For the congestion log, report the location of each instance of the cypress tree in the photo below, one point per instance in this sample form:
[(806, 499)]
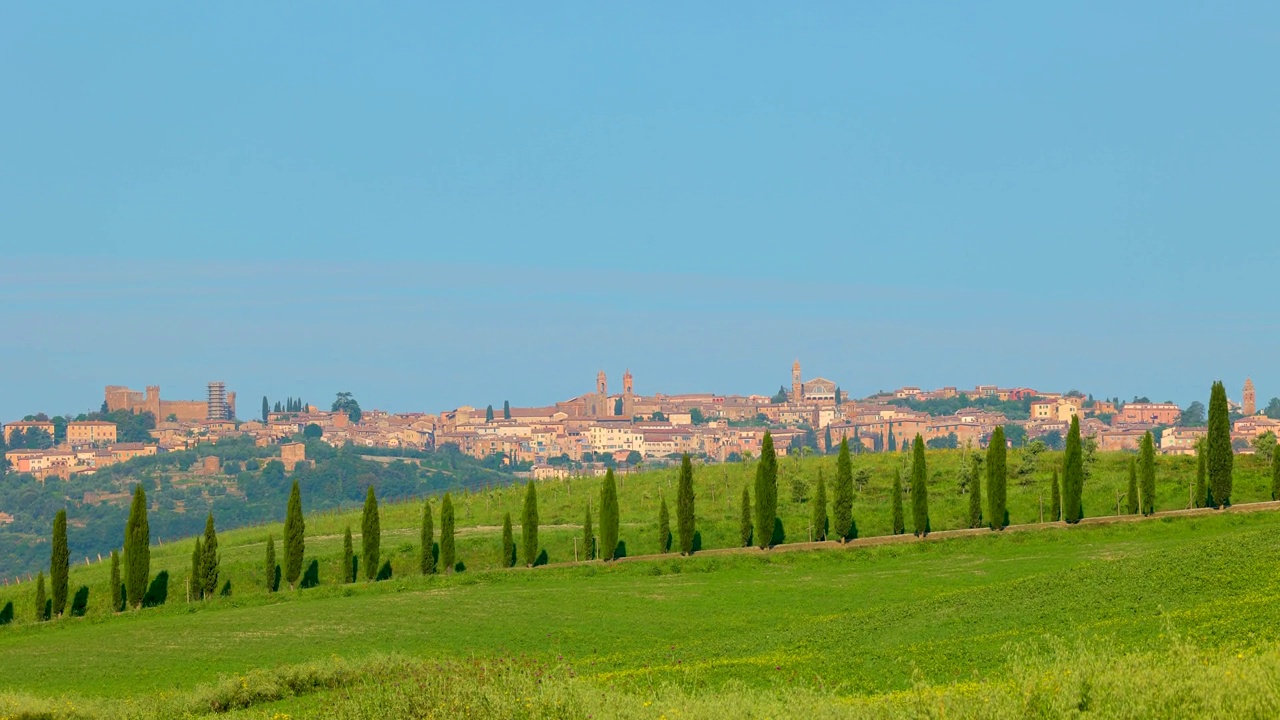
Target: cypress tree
[(59, 563), (428, 540), (819, 519), (608, 516), (1147, 473), (209, 559), (508, 558), (270, 564), (1072, 475), (294, 540), (1275, 473), (506, 409), (348, 557), (997, 480), (488, 414), (448, 557), (1218, 452), (919, 490), (117, 596), (744, 526), (899, 525), (664, 527), (1201, 497), (370, 536), (197, 571), (1055, 501), (529, 526), (975, 492), (266, 409), (588, 537), (685, 521), (137, 549), (766, 492), (842, 508), (41, 602)]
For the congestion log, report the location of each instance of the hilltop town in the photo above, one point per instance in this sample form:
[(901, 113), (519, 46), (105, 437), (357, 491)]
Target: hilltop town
[(601, 429)]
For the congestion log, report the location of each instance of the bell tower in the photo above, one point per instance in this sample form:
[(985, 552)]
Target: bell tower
[(1250, 399), (628, 395), (797, 388), (602, 395)]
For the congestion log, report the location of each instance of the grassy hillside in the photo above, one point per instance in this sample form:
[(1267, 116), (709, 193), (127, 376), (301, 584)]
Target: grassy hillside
[(855, 631)]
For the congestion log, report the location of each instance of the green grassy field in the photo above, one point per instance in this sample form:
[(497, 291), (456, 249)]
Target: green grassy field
[(942, 626)]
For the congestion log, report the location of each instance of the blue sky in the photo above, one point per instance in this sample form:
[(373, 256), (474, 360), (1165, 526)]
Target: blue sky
[(435, 206)]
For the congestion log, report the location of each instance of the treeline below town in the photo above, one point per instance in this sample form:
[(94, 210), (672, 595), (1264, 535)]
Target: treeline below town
[(250, 488)]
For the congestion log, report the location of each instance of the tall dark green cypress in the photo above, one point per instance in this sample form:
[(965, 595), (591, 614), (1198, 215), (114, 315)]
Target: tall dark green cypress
[(529, 526), (209, 559), (1275, 473), (427, 560), (1218, 452), (266, 409), (744, 524), (975, 491), (294, 537), (664, 527), (842, 507), (588, 537), (448, 555), (137, 549), (59, 563), (370, 536), (1055, 498), (1073, 474), (269, 564), (1201, 497), (766, 492), (41, 599), (899, 524), (608, 516), (819, 517), (508, 557), (348, 570), (685, 519), (919, 490), (197, 571), (1131, 494), (116, 594), (1147, 474), (997, 480)]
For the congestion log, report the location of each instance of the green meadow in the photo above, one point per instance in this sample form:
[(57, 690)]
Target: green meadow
[(1169, 616)]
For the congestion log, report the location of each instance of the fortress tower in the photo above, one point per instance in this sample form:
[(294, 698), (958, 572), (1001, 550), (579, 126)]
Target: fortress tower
[(1250, 399), (797, 388)]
